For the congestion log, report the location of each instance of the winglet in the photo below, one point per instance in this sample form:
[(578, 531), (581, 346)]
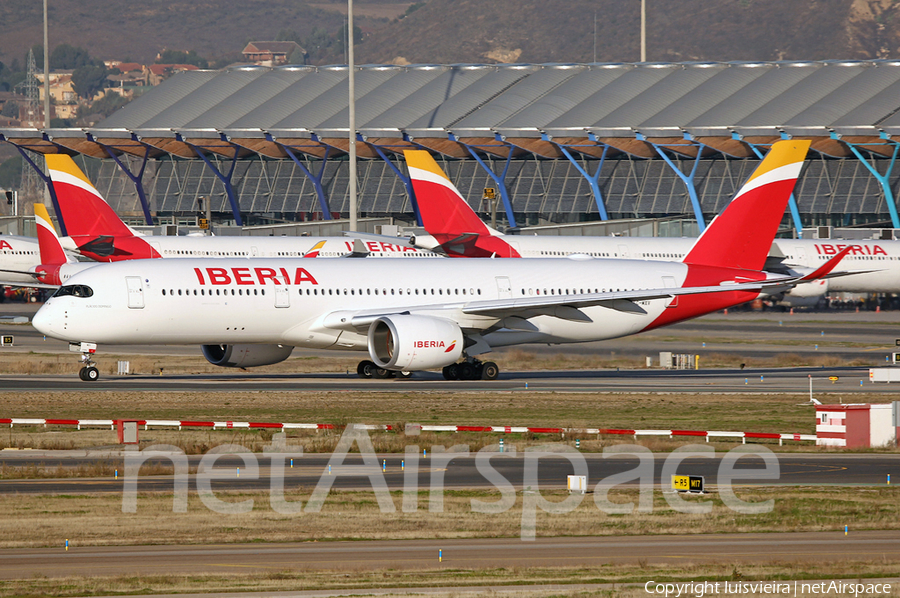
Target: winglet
[(740, 237), (826, 268), (81, 206), (52, 253)]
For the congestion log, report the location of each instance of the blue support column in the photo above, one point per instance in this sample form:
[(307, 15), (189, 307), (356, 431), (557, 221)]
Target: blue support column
[(687, 179), (593, 180), (224, 178), (137, 180), (499, 180), (406, 181), (49, 183), (315, 179), (792, 201), (883, 179)]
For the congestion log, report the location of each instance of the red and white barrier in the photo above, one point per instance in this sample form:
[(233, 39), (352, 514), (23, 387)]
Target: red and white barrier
[(635, 433), (228, 425)]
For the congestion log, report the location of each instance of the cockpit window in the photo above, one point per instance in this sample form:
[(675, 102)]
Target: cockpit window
[(75, 290)]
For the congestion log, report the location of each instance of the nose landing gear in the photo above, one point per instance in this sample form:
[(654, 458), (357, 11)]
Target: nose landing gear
[(88, 371)]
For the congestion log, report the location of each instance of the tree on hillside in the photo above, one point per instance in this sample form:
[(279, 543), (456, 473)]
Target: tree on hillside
[(88, 80), (180, 57), (68, 57), (109, 103)]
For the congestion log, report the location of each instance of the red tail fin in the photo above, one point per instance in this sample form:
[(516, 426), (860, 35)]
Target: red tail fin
[(741, 236), (443, 209), (446, 215), (52, 253), (82, 208)]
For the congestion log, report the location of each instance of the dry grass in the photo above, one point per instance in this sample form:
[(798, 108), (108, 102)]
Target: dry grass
[(611, 580), (98, 520), (103, 468)]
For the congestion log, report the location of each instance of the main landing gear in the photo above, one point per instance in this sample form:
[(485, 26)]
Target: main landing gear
[(472, 370), (467, 370), (368, 369)]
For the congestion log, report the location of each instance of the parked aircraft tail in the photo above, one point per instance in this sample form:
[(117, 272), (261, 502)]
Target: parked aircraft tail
[(446, 215), (52, 253), (92, 224)]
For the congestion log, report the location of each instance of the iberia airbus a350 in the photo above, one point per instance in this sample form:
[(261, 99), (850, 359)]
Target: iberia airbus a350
[(418, 315)]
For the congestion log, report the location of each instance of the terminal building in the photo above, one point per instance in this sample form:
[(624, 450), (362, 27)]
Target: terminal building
[(526, 144)]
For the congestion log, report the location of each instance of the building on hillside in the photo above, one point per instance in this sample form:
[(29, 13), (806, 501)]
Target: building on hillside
[(272, 53), (160, 72), (130, 75), (62, 90)]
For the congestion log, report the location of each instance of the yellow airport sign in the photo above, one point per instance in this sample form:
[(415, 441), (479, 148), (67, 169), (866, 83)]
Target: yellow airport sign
[(687, 483)]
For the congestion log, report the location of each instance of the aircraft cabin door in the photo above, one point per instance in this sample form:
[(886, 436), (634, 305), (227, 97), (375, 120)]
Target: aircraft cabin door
[(135, 292), (282, 296), (669, 283), (800, 257), (504, 290), (254, 251), (623, 251)]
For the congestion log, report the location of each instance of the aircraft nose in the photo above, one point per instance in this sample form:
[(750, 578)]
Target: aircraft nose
[(43, 320)]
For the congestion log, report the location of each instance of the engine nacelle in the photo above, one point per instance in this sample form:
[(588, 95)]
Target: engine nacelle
[(245, 356), (424, 242), (815, 288), (411, 343)]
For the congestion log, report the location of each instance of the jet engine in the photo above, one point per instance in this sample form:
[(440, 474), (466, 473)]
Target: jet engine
[(424, 242), (245, 356), (815, 288), (411, 343)]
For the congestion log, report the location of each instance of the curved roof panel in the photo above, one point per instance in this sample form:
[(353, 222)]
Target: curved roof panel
[(584, 105), (218, 90), (157, 100)]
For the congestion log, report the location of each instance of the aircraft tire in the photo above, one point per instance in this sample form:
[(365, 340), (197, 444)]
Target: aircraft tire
[(466, 371), (81, 374), (451, 372), (91, 374), (365, 369), (489, 371), (403, 375), (381, 373)]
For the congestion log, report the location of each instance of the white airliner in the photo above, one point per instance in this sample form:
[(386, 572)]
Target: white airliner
[(96, 231), (457, 230), (18, 255), (417, 315)]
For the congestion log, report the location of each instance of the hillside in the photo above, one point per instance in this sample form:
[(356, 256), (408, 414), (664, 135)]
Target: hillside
[(446, 31), (449, 31)]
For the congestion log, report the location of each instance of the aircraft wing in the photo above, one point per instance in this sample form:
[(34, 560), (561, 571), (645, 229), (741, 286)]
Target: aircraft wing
[(567, 307)]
